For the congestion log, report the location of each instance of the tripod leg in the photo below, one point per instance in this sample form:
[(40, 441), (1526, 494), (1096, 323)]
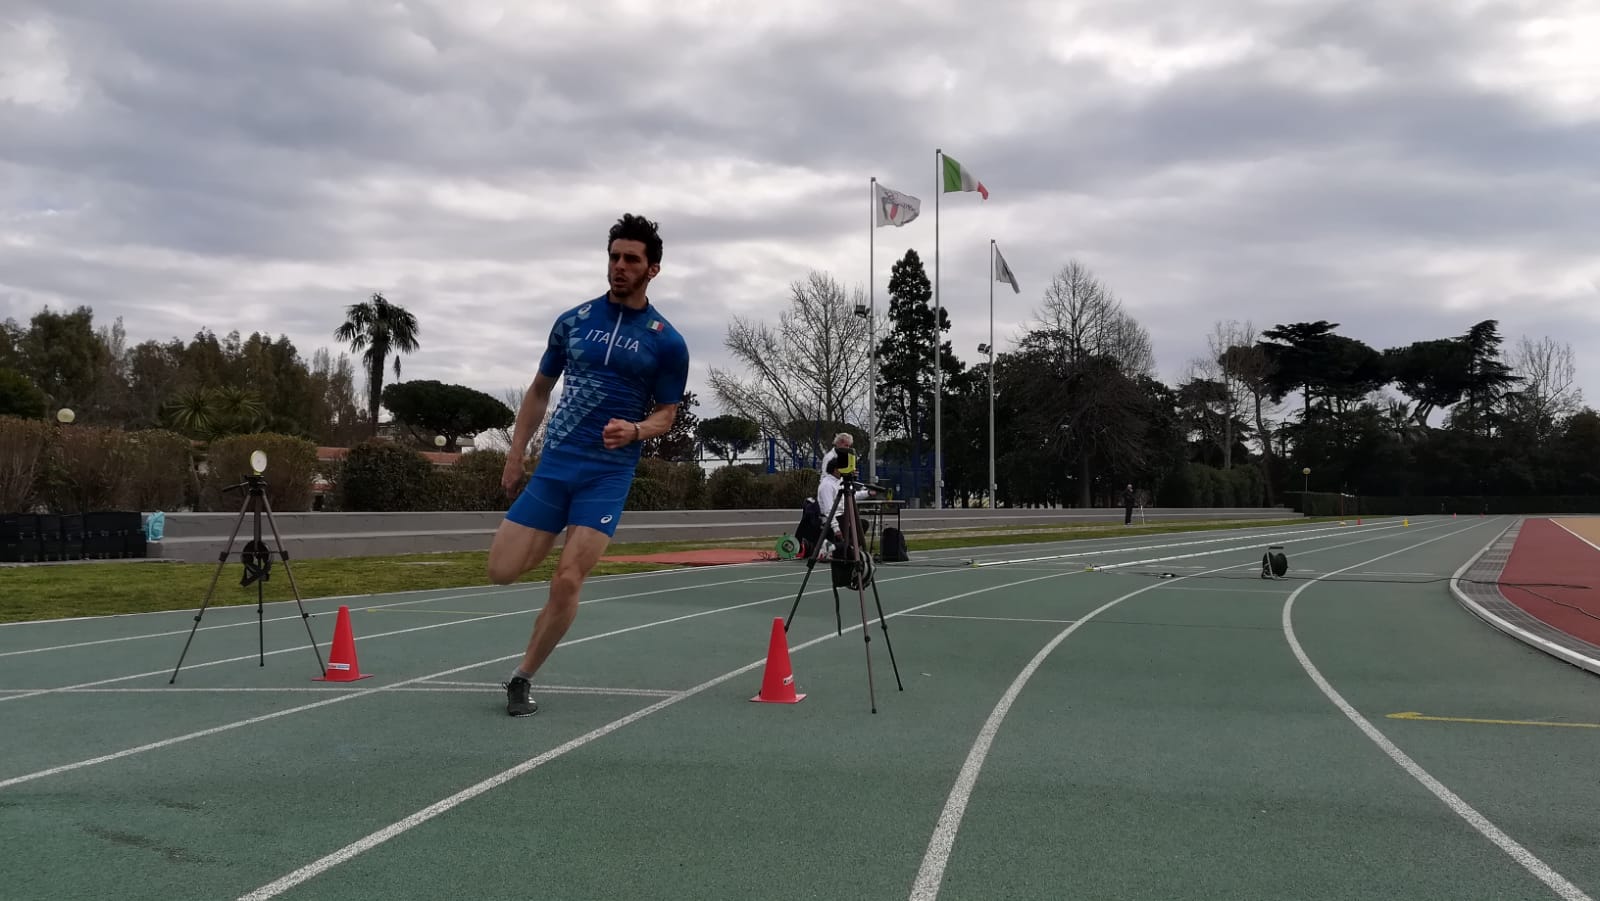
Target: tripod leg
[(884, 624), (222, 559), (861, 593), (304, 616), (811, 564), (256, 501)]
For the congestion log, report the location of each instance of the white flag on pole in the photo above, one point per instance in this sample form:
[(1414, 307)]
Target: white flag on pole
[(1003, 273), (895, 208)]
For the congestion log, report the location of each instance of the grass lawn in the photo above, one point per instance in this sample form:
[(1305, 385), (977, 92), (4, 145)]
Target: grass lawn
[(51, 591)]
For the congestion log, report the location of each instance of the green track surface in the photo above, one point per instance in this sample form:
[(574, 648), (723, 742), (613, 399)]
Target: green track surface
[(1171, 746)]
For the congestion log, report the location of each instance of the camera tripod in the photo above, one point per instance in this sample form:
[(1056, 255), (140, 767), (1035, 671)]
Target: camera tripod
[(257, 562), (854, 572)]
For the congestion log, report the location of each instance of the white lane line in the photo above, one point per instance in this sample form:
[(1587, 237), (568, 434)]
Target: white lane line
[(489, 592), (431, 677), (1213, 540), (350, 851), (421, 686), (989, 619), (1270, 591), (376, 635), (1566, 890), (613, 577), (226, 727), (1242, 531), (1575, 534), (942, 842)]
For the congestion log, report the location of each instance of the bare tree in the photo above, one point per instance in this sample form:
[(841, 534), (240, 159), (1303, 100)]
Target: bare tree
[(1083, 318), (1549, 391), (1235, 398), (813, 366)]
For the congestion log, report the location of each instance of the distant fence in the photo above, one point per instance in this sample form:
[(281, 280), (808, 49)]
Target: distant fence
[(199, 537), (1330, 504)]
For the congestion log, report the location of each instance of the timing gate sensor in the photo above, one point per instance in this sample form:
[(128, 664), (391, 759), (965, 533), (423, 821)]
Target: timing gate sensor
[(1273, 563)]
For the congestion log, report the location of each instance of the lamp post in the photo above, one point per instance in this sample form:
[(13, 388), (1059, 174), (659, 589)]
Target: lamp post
[(1305, 487)]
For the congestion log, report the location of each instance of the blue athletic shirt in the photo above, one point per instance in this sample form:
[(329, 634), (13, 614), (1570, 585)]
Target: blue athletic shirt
[(618, 363)]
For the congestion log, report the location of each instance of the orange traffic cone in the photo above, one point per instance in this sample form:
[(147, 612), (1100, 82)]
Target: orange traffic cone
[(342, 665), (777, 683)]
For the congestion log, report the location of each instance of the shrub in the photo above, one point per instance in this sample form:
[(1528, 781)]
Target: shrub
[(291, 467), (788, 489), (161, 473), (378, 476), (85, 468), (471, 483), (683, 484), (648, 494), (733, 488), (23, 443)]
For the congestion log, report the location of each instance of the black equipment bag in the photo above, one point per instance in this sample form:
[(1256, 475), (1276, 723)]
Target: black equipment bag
[(809, 532), (894, 546)]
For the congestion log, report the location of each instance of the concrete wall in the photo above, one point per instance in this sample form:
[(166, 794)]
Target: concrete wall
[(201, 537)]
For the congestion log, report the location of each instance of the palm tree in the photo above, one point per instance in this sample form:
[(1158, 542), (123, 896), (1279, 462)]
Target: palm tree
[(380, 328)]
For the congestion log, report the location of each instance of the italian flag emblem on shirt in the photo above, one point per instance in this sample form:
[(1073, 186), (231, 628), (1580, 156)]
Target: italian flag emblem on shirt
[(655, 325)]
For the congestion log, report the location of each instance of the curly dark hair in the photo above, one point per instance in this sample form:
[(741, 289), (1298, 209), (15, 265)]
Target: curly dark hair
[(637, 228)]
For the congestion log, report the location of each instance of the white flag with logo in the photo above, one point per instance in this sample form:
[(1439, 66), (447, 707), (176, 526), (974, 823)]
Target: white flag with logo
[(895, 208), (1003, 273)]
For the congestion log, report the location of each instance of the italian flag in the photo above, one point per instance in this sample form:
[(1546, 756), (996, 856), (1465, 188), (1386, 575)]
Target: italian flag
[(655, 325), (958, 178)]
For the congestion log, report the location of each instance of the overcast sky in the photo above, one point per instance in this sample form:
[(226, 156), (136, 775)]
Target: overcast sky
[(1403, 168)]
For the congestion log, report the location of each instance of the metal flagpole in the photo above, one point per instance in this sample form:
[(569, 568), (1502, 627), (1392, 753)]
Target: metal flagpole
[(993, 500), (938, 447), (872, 333)]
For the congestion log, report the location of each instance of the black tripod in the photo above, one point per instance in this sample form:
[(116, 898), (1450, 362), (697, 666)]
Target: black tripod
[(853, 572), (257, 562)]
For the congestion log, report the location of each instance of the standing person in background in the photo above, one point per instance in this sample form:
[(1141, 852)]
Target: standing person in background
[(841, 442), (1127, 505)]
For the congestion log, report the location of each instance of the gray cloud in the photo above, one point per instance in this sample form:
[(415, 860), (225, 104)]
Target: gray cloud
[(1404, 169)]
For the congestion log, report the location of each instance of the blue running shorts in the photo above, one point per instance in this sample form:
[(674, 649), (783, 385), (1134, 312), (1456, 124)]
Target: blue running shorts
[(573, 492)]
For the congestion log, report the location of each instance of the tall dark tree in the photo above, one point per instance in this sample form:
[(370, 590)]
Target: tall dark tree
[(1432, 373), (376, 329), (65, 359), (678, 444), (905, 360), (1488, 378)]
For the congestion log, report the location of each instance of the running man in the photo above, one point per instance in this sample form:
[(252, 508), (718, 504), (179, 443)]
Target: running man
[(626, 369)]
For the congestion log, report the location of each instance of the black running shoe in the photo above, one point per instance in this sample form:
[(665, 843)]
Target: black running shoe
[(517, 701)]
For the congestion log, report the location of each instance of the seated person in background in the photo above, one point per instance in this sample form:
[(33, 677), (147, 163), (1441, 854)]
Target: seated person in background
[(842, 461)]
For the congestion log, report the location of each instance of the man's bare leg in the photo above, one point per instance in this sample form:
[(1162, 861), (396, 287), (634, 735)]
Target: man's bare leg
[(516, 549), (578, 556)]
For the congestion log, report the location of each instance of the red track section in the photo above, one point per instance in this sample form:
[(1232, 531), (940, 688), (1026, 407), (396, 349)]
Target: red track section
[(1545, 552), (706, 557)]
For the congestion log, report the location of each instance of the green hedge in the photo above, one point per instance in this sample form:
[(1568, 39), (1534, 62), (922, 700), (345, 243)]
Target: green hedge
[(291, 465), (380, 477), (1199, 485), (77, 469)]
